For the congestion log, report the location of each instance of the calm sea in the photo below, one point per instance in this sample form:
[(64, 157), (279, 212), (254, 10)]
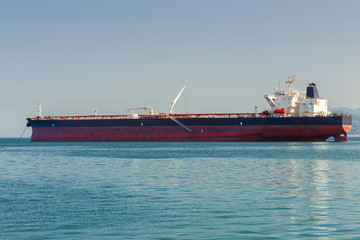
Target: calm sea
[(179, 190)]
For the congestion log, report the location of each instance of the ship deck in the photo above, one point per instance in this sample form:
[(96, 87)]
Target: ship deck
[(146, 116)]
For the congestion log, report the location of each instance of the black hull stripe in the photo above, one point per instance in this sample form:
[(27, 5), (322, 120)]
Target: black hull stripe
[(335, 120)]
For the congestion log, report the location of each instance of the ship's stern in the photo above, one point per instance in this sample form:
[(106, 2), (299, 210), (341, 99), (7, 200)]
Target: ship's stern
[(346, 127)]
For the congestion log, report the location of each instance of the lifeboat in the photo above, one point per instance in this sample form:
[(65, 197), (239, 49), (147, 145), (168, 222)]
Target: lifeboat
[(279, 111)]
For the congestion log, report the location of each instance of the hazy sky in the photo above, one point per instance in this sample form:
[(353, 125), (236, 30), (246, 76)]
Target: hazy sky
[(76, 56)]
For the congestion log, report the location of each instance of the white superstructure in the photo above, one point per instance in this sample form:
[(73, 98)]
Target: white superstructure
[(294, 103)]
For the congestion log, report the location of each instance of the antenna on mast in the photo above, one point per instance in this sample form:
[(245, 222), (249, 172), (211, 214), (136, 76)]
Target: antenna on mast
[(290, 81), (171, 111)]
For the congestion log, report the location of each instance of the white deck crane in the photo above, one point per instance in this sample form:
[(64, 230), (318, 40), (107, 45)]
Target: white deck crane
[(171, 111), (146, 108)]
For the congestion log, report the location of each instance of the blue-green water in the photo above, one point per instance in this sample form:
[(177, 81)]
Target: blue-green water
[(179, 190)]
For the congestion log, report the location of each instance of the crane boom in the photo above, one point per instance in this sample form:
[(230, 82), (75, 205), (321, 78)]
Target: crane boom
[(171, 111)]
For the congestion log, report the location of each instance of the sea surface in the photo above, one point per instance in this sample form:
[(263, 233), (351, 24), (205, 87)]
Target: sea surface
[(291, 190)]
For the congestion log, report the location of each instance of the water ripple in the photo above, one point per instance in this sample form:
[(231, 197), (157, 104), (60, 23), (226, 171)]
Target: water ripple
[(179, 190)]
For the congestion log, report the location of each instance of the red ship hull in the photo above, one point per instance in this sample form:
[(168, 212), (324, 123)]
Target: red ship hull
[(198, 133)]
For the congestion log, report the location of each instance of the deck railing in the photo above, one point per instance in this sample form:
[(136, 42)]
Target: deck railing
[(159, 116), (146, 116)]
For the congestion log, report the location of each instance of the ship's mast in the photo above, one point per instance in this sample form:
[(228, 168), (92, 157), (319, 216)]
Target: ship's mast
[(291, 81), (39, 110)]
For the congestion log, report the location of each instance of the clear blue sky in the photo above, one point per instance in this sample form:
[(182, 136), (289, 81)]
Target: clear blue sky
[(76, 56)]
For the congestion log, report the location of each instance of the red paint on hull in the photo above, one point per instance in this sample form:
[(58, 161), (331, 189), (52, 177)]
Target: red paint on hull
[(199, 133)]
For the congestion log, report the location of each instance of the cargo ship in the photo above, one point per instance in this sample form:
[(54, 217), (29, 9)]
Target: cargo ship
[(293, 116)]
